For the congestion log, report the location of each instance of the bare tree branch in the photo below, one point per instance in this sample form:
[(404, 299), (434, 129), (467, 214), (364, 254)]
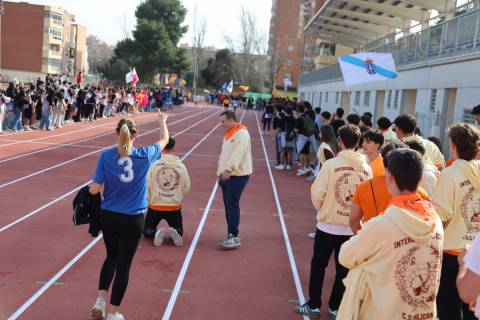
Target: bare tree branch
[(198, 39)]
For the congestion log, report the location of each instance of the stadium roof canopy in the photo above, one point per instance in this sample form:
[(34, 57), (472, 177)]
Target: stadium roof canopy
[(357, 22)]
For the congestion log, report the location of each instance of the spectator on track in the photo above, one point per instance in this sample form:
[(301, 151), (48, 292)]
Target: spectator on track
[(332, 193), (430, 172), (385, 127), (234, 170), (122, 172), (168, 183), (372, 144)]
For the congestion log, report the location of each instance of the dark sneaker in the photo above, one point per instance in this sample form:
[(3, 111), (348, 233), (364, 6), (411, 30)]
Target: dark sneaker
[(230, 242), (306, 310)]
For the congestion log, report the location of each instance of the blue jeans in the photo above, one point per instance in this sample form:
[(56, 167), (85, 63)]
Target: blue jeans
[(46, 119), (232, 191), (17, 120)]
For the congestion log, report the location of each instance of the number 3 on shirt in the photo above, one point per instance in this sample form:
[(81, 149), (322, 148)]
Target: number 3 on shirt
[(127, 176)]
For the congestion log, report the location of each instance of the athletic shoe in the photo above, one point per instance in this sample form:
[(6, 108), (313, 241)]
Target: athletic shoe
[(302, 172), (176, 237), (311, 178), (311, 235), (159, 236), (226, 238), (289, 167), (98, 310), (280, 167), (116, 316), (230, 243), (332, 314), (306, 310)]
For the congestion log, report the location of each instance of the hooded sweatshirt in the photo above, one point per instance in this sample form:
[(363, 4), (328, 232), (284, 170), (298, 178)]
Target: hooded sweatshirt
[(432, 153), (457, 201), (236, 155), (395, 263), (168, 183), (333, 189)]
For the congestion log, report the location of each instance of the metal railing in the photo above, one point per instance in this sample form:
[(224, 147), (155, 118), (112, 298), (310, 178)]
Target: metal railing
[(455, 37)]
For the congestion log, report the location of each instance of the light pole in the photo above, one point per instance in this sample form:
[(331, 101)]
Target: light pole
[(1, 18)]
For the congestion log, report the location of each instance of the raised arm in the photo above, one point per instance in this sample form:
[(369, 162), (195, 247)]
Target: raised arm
[(164, 135)]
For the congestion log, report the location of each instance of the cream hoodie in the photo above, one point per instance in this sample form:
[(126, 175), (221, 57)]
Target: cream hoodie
[(432, 153), (457, 201), (395, 263), (168, 182), (236, 155), (336, 183), (429, 178)]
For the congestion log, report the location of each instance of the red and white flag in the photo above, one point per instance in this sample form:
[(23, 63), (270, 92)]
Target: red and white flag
[(132, 77)]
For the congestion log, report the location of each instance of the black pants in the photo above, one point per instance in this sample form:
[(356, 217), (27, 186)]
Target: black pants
[(232, 191), (449, 304), (266, 123), (173, 218), (325, 245), (121, 234)]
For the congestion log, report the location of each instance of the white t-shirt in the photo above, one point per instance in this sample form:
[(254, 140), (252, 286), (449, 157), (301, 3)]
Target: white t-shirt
[(472, 262)]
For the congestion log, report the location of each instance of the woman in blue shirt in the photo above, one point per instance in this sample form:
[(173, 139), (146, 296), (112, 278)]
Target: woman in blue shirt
[(122, 172)]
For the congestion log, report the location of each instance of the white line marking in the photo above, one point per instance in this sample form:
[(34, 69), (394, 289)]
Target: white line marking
[(86, 155), (291, 258), (34, 212), (70, 264), (191, 249), (78, 141)]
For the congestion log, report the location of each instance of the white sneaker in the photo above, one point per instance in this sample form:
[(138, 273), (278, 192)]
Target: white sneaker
[(176, 237), (116, 316), (311, 235), (280, 167), (159, 236), (289, 167), (302, 172), (98, 309)]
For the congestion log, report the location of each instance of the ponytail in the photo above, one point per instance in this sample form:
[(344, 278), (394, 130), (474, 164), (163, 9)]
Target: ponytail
[(125, 129)]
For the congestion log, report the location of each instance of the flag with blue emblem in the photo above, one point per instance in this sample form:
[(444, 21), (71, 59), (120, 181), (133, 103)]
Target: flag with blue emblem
[(366, 67)]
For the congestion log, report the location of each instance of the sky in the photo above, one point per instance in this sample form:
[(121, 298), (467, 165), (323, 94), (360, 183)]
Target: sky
[(110, 19)]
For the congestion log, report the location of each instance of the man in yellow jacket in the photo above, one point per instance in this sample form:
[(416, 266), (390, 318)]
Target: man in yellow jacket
[(168, 183), (405, 126), (332, 194), (233, 173), (457, 200), (395, 259)]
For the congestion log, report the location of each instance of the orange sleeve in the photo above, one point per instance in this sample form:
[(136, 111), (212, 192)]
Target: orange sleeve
[(356, 197)]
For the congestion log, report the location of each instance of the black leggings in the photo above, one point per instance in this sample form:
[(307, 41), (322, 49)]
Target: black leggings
[(173, 218), (266, 123), (121, 234)]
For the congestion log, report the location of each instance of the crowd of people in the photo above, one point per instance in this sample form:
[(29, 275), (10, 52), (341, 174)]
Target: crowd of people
[(397, 217), (52, 103)]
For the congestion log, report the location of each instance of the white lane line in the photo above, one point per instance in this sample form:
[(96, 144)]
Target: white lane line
[(78, 141), (34, 212), (70, 264), (87, 154), (61, 134), (191, 250), (291, 258)]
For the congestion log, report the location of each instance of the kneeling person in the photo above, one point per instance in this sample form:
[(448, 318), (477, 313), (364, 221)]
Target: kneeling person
[(168, 183)]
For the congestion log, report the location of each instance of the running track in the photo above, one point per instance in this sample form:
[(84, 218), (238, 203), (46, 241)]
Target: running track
[(49, 268)]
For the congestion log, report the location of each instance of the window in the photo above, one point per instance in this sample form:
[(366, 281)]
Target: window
[(290, 48), (320, 99), (356, 100), (366, 99), (468, 117), (289, 62), (326, 49), (389, 99), (433, 100), (54, 63), (326, 96), (337, 97), (55, 33), (396, 99), (54, 47), (56, 17)]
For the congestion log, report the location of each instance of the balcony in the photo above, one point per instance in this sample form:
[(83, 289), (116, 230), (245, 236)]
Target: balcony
[(449, 41)]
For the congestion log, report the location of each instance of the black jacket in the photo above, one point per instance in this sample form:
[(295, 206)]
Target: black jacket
[(86, 209)]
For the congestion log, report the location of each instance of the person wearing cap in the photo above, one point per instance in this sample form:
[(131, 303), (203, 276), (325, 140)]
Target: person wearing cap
[(476, 114)]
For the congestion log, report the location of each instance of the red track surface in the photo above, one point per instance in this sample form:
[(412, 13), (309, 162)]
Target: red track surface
[(253, 282)]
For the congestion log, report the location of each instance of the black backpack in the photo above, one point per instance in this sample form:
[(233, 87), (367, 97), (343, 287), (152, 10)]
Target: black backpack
[(308, 126)]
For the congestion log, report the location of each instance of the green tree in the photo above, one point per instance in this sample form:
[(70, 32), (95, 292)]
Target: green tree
[(220, 69), (153, 48)]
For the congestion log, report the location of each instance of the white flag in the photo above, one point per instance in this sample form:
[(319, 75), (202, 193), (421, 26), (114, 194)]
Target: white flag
[(230, 87), (366, 67), (129, 76)]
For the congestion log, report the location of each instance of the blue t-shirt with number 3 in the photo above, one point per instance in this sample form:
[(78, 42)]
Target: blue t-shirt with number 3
[(125, 179)]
